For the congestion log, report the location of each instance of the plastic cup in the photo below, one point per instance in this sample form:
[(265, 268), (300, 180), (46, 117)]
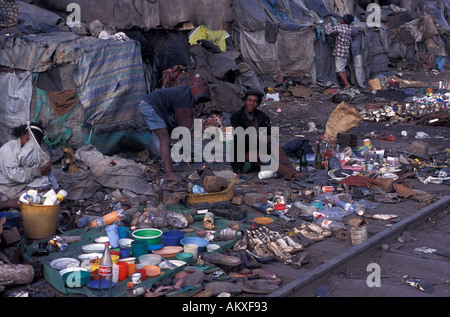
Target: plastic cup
[(143, 274), (138, 248), (124, 232), (125, 253), (113, 235), (191, 248), (131, 269), (123, 270)]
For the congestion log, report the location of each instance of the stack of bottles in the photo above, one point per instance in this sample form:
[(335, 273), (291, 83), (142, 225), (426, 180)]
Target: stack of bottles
[(48, 199)]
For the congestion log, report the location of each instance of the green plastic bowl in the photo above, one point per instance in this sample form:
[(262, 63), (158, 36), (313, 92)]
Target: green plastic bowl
[(184, 256), (151, 235), (76, 278)]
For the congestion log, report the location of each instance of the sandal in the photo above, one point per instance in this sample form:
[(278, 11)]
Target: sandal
[(187, 291)]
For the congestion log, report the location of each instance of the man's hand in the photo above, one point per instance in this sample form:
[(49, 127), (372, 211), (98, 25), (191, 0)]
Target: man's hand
[(46, 169)]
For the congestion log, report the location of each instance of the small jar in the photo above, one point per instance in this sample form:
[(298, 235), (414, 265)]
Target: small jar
[(61, 195)]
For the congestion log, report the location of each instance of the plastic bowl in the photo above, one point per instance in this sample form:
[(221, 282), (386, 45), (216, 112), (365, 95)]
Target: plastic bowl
[(150, 259), (169, 251), (185, 256), (202, 243), (76, 278), (172, 237), (151, 235), (96, 262), (152, 270), (125, 243)]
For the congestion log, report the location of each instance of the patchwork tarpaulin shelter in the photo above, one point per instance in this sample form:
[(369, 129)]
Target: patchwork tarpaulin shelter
[(86, 90)]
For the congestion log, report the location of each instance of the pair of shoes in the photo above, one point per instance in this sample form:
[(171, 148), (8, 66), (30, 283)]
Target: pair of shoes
[(257, 246), (279, 253), (312, 231), (308, 234)]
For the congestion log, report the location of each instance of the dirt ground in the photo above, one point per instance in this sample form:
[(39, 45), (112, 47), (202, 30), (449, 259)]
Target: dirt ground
[(292, 115)]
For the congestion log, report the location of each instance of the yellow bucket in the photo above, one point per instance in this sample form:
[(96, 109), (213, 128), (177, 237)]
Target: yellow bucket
[(39, 222)]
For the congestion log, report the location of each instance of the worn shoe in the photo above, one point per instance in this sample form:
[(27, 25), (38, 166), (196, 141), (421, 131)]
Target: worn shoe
[(284, 245), (294, 244), (318, 229), (259, 258), (221, 259), (249, 261), (187, 291), (309, 234), (242, 243), (300, 260), (279, 253), (249, 286)]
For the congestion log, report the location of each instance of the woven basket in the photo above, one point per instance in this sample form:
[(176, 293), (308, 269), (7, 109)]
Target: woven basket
[(9, 13), (223, 195)]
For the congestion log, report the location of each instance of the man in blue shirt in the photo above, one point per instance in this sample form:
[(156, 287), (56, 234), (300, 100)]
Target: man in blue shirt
[(165, 109)]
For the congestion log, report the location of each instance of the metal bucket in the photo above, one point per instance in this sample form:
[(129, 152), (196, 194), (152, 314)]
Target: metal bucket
[(358, 235), (39, 221)]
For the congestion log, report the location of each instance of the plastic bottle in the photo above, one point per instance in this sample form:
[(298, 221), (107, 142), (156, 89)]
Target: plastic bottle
[(50, 198), (331, 213), (84, 221), (307, 209), (31, 199), (105, 274), (158, 195), (108, 219), (328, 224), (352, 208), (61, 195), (266, 209)]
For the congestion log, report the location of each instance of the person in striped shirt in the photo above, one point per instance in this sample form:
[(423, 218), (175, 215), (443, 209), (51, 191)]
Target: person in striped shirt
[(342, 48)]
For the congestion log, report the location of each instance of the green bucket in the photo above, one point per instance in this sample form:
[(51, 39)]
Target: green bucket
[(151, 235)]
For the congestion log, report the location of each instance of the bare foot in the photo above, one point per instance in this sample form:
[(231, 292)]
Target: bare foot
[(176, 169), (171, 176)]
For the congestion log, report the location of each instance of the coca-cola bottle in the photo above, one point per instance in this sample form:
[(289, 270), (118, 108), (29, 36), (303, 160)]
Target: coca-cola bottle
[(105, 274)]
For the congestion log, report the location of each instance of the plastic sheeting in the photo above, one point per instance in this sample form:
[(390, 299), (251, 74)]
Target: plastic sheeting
[(15, 102), (204, 33)]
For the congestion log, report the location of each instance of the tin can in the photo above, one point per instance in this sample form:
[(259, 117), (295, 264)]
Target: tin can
[(136, 278), (327, 189)]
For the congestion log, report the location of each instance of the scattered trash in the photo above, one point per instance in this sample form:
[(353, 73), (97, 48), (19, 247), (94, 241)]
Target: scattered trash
[(420, 284)]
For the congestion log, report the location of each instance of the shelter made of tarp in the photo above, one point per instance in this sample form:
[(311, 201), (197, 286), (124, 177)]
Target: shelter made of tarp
[(285, 37), (108, 85)]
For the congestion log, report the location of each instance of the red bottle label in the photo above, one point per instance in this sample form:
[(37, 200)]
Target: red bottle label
[(104, 270)]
